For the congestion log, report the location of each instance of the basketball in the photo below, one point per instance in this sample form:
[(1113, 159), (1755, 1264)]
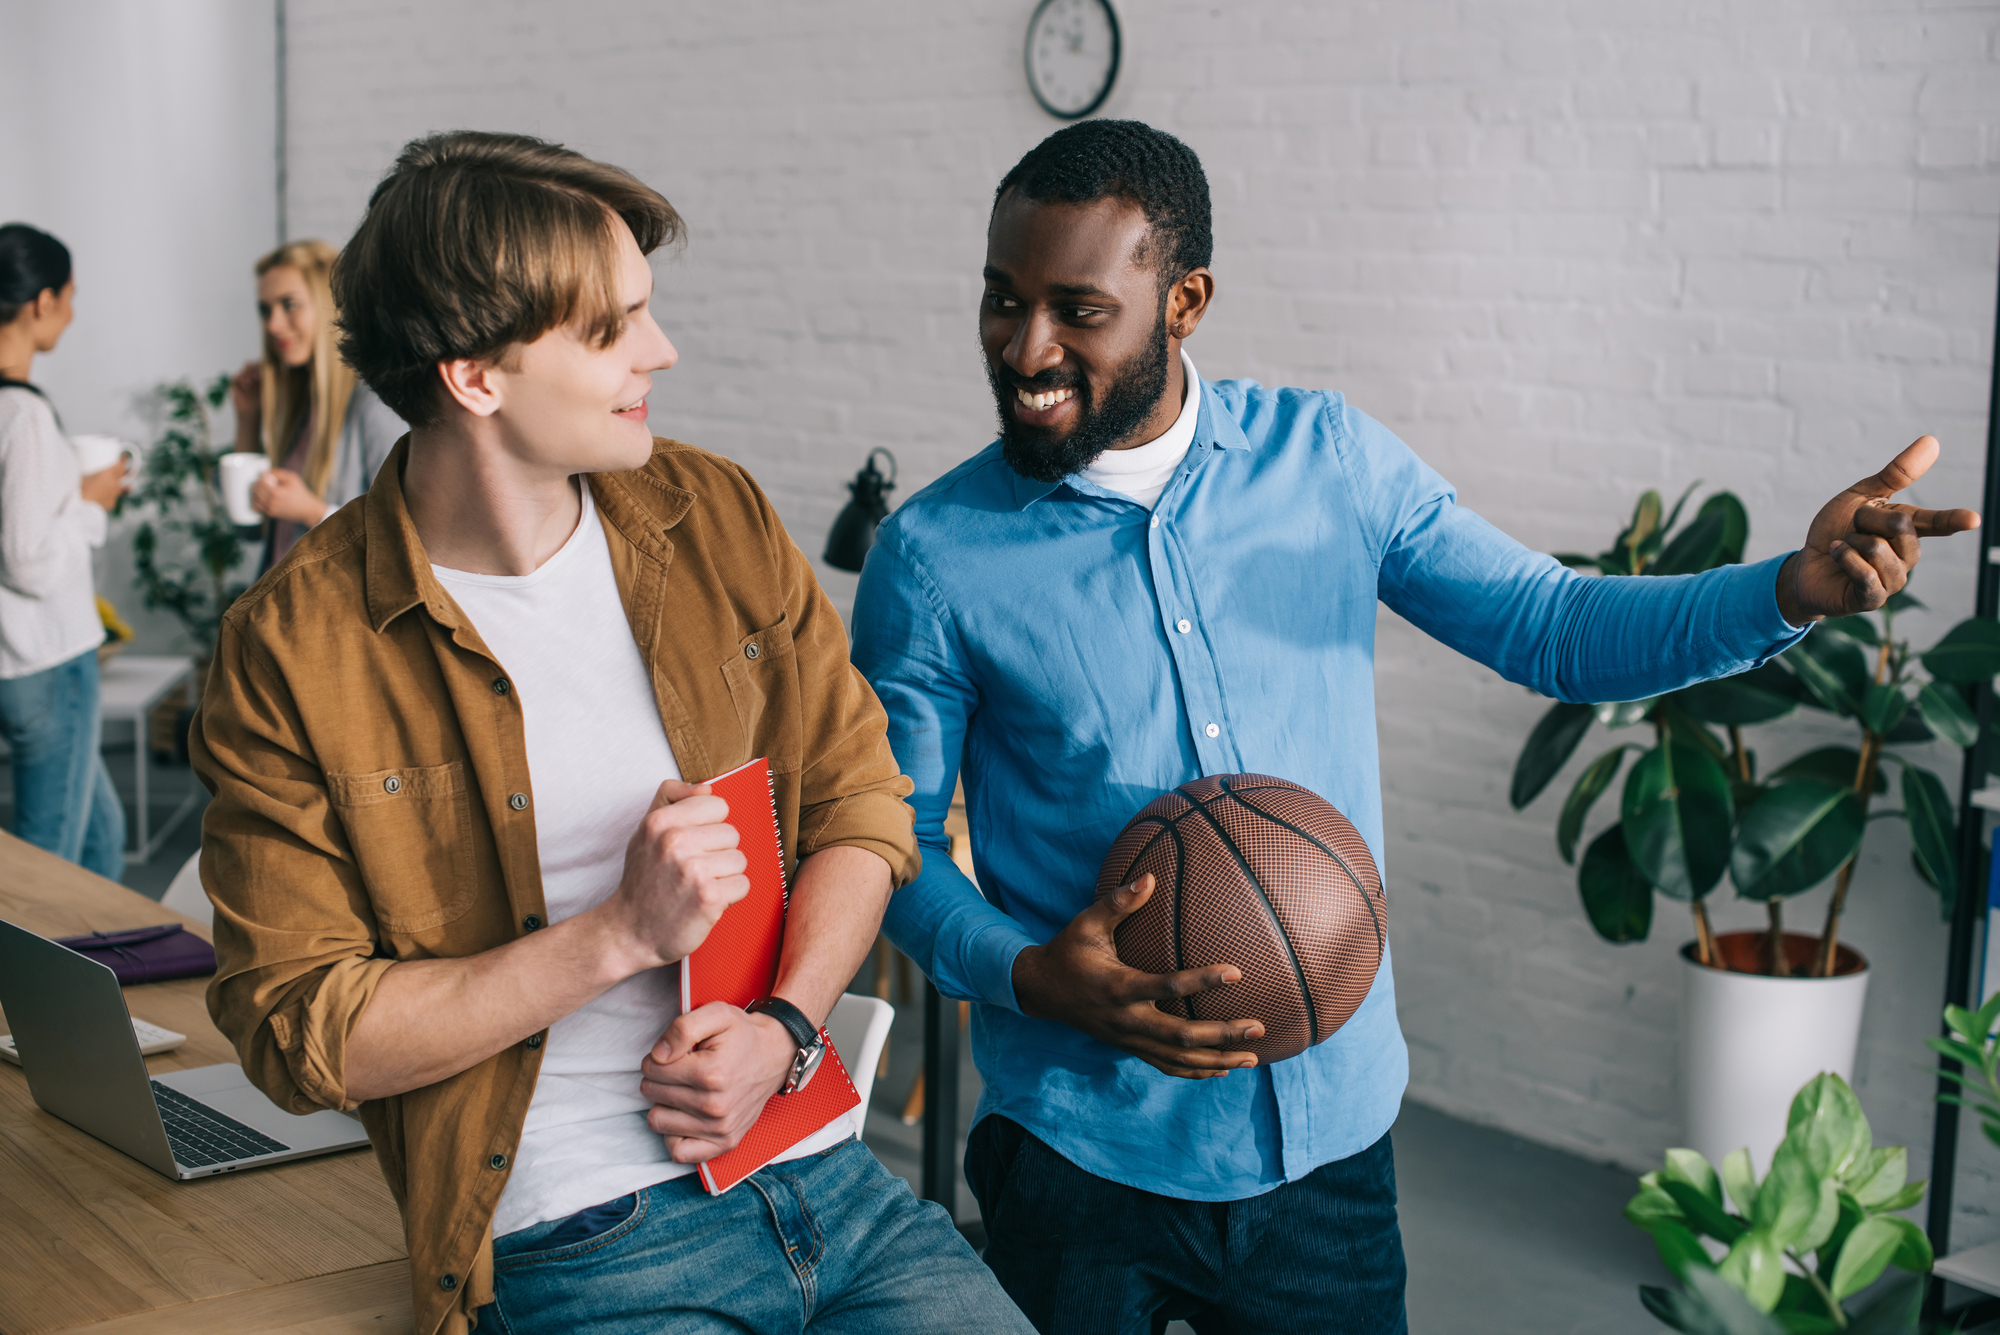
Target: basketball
[(1263, 874)]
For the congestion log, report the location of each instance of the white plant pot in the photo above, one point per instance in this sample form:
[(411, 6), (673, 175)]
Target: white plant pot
[(1749, 1042)]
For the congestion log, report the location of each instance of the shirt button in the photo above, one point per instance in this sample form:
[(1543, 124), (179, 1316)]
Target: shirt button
[(392, 784), (518, 801), (1183, 625), (751, 651), (1156, 522), (533, 922), (534, 1042), (499, 686), (1212, 730), (447, 1282), (497, 1162)]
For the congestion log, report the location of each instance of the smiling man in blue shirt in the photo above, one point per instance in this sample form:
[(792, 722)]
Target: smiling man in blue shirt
[(1150, 578)]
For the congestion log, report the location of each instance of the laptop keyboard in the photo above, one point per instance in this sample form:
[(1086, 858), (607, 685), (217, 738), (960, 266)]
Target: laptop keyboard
[(201, 1136)]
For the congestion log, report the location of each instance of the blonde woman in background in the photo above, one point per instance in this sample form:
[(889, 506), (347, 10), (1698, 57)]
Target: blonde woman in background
[(325, 432)]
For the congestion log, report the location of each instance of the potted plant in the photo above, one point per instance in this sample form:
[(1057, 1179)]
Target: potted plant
[(1764, 1010), (1821, 1226), (185, 548)]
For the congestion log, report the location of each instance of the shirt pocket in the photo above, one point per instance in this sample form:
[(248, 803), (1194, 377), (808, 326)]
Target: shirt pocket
[(410, 830), (763, 679)]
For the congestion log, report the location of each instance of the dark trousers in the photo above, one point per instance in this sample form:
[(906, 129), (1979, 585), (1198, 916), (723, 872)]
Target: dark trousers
[(1087, 1256)]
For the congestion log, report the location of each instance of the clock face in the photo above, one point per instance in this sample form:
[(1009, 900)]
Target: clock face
[(1072, 55)]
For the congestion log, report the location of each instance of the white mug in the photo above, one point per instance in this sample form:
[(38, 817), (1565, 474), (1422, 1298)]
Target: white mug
[(240, 471), (94, 454)]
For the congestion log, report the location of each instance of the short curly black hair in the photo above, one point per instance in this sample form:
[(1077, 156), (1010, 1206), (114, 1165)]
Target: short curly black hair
[(1102, 159)]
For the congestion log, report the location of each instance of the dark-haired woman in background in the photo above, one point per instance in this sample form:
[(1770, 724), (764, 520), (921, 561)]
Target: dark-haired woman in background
[(51, 516), (325, 432)]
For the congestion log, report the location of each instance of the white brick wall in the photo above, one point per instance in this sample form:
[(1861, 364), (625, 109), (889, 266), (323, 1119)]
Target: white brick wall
[(1569, 252)]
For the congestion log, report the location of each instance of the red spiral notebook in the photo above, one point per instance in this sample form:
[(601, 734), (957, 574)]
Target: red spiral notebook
[(738, 963)]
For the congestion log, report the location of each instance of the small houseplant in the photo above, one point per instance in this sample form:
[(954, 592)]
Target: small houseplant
[(1695, 807), (185, 549), (1821, 1226)]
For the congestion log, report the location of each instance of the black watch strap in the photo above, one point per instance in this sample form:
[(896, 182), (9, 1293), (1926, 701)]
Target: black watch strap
[(803, 1031)]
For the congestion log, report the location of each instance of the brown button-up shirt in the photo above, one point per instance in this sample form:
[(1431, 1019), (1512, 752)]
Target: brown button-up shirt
[(372, 801)]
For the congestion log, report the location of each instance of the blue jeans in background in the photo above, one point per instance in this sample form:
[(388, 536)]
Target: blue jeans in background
[(830, 1244), (1087, 1256), (63, 798)]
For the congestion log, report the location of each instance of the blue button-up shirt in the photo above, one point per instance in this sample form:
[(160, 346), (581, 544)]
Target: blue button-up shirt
[(1078, 655)]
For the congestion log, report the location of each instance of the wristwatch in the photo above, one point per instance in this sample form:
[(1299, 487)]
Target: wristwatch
[(812, 1044)]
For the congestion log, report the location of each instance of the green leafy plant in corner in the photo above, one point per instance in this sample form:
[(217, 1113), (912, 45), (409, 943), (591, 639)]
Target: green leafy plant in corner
[(1821, 1226), (185, 548), (1694, 807), (1973, 1045)]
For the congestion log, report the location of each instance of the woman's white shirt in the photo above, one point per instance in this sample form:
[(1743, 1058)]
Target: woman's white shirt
[(48, 603)]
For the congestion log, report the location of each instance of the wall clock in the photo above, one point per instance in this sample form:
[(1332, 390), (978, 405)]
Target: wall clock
[(1072, 55)]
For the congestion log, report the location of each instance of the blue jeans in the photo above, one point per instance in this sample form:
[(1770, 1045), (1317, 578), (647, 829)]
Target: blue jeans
[(63, 798), (1087, 1256), (830, 1244)]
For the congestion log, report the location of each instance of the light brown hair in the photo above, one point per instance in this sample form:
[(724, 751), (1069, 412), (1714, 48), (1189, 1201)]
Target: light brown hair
[(318, 391), (475, 242)]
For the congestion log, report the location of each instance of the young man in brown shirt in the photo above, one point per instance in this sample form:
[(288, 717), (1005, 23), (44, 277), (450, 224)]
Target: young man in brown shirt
[(458, 840)]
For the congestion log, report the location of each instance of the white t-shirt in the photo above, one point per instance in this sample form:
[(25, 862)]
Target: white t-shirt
[(1143, 471), (48, 600), (597, 753)]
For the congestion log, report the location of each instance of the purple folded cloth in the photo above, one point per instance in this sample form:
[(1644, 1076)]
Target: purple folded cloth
[(147, 954)]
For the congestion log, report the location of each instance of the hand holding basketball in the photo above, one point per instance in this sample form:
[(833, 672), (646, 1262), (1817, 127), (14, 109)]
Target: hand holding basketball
[(1862, 546), (1078, 979)]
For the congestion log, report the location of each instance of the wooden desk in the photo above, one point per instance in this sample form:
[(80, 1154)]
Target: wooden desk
[(99, 1242)]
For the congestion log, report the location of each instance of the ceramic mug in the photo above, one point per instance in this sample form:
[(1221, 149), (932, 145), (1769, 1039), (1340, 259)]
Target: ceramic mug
[(94, 454), (240, 471)]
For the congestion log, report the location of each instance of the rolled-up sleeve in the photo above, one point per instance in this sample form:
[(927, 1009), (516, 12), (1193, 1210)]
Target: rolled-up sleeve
[(851, 790), (295, 941)]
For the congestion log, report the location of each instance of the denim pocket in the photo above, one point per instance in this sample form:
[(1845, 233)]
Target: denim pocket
[(584, 1231)]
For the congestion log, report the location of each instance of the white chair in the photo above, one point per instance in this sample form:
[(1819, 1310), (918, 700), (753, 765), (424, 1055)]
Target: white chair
[(185, 895), (859, 1026)]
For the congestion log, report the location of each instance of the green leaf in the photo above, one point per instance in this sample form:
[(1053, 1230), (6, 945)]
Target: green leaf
[(1638, 536), (1969, 652), (1680, 1249), (1549, 746), (1590, 785), (1756, 1267), (1623, 713), (1788, 1200), (1741, 1179), (1653, 1204), (1616, 895), (1696, 548), (1677, 812), (1933, 826), (1794, 836), (1904, 1199), (1902, 601), (1763, 693), (1878, 1175), (1576, 560), (1945, 712), (1824, 1218), (1883, 706), (1832, 670), (1826, 1127), (1690, 1168), (1835, 765), (1870, 1249), (1856, 627), (1911, 729), (1707, 1306), (1703, 1211)]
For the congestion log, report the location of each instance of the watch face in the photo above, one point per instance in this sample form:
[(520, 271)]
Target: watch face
[(1072, 55)]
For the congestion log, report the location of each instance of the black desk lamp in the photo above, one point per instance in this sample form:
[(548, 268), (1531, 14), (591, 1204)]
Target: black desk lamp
[(853, 533)]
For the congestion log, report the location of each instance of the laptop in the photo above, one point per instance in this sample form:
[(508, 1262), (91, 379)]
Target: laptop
[(83, 1065)]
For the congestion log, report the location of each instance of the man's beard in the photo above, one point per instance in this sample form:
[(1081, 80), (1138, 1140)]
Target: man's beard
[(1135, 391)]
